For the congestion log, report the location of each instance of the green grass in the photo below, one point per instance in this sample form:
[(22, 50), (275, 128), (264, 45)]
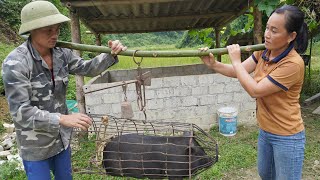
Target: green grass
[(235, 152), (312, 150)]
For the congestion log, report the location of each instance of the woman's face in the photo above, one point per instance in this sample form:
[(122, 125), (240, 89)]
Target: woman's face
[(276, 36)]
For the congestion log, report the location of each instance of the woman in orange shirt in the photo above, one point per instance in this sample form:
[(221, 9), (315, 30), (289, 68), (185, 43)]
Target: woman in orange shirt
[(276, 84)]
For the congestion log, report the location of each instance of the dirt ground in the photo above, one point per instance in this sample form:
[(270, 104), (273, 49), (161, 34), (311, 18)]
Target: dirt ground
[(4, 110)]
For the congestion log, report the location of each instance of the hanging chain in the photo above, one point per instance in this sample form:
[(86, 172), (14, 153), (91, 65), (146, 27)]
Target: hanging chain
[(140, 87), (124, 89)]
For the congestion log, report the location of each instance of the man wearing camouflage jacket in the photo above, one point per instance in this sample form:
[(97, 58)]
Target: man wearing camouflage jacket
[(35, 76)]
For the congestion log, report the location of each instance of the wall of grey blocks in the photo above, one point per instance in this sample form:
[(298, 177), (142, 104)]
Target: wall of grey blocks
[(190, 94)]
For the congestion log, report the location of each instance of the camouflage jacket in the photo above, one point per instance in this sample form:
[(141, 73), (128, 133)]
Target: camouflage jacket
[(36, 103)]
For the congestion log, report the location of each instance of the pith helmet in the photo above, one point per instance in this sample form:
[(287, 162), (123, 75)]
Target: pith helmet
[(39, 14)]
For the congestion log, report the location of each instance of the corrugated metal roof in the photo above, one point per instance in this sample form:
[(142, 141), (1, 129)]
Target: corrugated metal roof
[(133, 16)]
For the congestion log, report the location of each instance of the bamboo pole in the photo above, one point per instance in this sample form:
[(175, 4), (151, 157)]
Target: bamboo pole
[(142, 53)]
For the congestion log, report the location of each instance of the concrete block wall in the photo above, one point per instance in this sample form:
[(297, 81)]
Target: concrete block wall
[(191, 94)]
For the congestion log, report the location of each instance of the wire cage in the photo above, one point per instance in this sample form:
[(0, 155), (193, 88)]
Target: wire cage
[(142, 149)]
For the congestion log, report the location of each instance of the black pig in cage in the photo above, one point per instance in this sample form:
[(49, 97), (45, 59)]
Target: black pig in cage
[(142, 149)]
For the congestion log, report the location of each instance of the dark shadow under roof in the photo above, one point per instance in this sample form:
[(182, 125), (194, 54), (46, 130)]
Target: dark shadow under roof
[(137, 16)]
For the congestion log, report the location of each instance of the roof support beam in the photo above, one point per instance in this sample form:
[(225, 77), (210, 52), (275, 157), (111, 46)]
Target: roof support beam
[(165, 18), (116, 2)]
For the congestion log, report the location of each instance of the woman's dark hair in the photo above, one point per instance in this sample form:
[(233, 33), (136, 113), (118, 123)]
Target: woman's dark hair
[(295, 23)]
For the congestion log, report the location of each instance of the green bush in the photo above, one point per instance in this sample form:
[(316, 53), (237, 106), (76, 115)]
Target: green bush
[(8, 12), (9, 170), (5, 49)]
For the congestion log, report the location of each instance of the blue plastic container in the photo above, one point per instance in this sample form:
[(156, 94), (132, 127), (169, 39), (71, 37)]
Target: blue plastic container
[(72, 106), (227, 118)]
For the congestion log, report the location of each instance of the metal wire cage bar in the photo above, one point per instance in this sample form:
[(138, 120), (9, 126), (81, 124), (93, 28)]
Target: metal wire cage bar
[(142, 149)]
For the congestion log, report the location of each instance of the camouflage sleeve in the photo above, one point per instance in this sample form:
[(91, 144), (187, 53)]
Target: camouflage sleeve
[(92, 67), (16, 77)]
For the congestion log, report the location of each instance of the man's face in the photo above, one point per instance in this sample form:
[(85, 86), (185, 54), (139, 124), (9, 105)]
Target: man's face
[(46, 37)]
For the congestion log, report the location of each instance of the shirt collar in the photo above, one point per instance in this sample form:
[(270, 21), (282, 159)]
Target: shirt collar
[(34, 53), (278, 58), (56, 55)]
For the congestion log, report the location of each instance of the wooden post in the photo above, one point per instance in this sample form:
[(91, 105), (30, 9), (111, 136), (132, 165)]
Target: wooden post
[(76, 38), (98, 39), (217, 32), (257, 27)]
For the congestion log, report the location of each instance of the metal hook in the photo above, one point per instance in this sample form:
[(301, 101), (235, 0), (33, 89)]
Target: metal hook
[(138, 63)]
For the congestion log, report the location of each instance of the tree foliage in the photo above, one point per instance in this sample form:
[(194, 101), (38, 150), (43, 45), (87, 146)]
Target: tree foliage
[(244, 24), (8, 12)]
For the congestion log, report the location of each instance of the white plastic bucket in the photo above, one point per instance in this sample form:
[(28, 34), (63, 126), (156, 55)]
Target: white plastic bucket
[(227, 118)]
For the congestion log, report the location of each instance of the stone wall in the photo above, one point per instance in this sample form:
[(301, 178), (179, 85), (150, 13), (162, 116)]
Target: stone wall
[(191, 94)]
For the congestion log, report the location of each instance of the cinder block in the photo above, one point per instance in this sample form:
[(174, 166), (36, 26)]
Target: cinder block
[(189, 81), (93, 99), (184, 112), (206, 79), (201, 90), (116, 108), (156, 83), (171, 81), (131, 95), (249, 106), (225, 97), (201, 110), (112, 98), (164, 92), (207, 100), (166, 114), (216, 88), (189, 101), (172, 102), (151, 115), (150, 94), (155, 104), (232, 87), (241, 97), (221, 79)]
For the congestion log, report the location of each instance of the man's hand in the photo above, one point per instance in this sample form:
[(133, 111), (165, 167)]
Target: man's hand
[(116, 47), (208, 60), (77, 120)]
